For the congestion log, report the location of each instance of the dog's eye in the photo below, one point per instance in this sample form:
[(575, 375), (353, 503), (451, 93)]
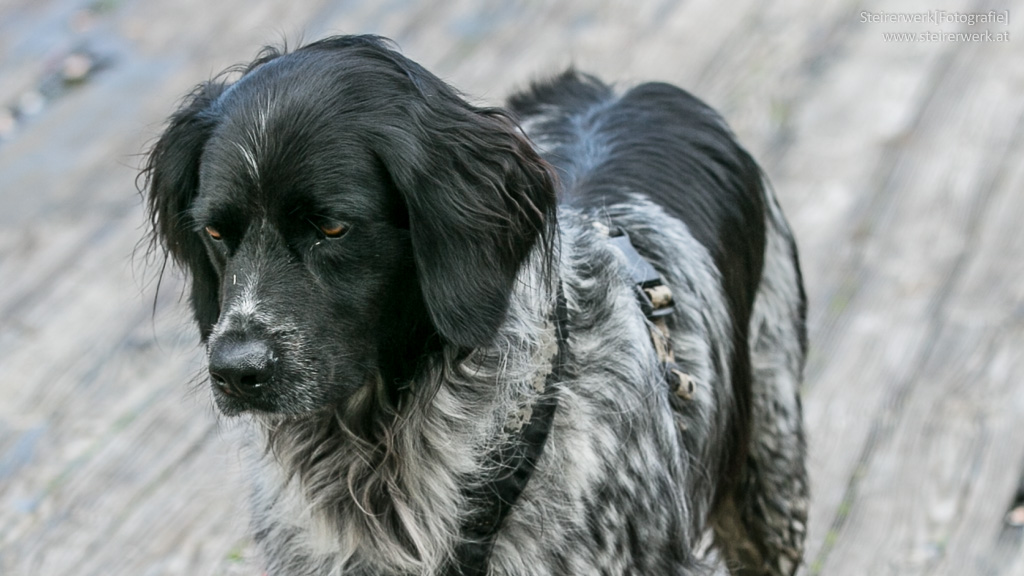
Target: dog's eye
[(333, 229), (214, 233)]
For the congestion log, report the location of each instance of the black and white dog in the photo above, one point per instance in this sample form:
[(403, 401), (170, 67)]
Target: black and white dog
[(564, 338)]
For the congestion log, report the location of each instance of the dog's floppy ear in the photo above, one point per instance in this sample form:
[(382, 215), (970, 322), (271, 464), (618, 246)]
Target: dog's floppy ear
[(171, 176), (479, 198)]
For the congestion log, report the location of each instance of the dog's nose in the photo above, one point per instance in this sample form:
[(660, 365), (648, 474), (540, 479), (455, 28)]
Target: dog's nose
[(241, 368)]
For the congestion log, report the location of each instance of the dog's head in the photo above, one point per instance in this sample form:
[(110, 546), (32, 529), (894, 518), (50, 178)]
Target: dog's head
[(341, 212)]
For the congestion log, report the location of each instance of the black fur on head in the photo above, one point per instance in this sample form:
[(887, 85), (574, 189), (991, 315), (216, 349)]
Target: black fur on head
[(440, 201)]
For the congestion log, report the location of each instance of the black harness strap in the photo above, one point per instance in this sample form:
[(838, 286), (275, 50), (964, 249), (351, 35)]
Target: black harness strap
[(515, 461)]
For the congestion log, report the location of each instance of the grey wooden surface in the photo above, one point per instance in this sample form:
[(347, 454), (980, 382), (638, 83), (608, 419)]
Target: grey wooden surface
[(899, 164)]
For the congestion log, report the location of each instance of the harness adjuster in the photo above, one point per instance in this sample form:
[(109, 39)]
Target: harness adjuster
[(656, 302)]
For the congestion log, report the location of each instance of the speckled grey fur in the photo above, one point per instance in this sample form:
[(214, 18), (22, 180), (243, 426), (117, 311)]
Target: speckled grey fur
[(624, 485)]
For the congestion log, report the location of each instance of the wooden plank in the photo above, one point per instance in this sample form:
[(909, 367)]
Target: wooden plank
[(487, 49), (933, 496), (882, 323)]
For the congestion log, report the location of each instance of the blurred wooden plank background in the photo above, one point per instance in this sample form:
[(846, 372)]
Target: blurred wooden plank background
[(899, 164)]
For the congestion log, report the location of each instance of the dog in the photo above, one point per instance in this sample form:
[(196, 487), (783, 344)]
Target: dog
[(562, 337)]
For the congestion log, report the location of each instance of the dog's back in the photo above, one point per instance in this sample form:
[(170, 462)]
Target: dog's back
[(658, 143)]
